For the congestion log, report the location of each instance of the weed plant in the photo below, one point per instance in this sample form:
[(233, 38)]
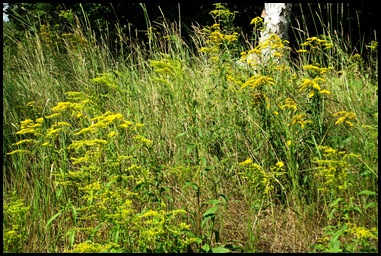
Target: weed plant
[(161, 146)]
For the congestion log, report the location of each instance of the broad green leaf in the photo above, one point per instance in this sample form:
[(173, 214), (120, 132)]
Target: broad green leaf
[(223, 196), (205, 219), (210, 211), (367, 192), (213, 201), (203, 161), (206, 247), (371, 204), (180, 135), (53, 218), (190, 148), (356, 208), (220, 250), (192, 184), (335, 202), (334, 250), (339, 233)]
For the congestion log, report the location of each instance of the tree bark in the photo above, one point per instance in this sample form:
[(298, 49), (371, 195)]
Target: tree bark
[(276, 20)]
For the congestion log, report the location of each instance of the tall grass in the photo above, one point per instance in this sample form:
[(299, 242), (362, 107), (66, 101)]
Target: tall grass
[(160, 148)]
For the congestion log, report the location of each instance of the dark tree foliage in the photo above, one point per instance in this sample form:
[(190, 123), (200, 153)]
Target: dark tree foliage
[(358, 19)]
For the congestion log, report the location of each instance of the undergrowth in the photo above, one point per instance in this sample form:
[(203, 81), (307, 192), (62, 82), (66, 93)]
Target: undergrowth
[(179, 148)]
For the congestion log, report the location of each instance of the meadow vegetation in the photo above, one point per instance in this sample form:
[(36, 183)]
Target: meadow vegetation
[(164, 146)]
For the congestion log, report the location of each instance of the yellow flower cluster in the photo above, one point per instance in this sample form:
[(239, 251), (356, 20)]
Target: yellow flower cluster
[(290, 104), (313, 86), (343, 117), (315, 42), (101, 122), (91, 247), (222, 13), (373, 45), (334, 168), (320, 70), (107, 79), (257, 80), (299, 119), (362, 232), (256, 176), (28, 126), (257, 22)]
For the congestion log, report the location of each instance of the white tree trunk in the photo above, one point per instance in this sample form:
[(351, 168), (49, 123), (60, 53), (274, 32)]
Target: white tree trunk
[(276, 19)]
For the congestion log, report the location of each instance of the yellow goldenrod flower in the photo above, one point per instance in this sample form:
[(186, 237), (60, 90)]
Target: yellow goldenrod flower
[(144, 140), (28, 126), (91, 129), (312, 67), (61, 106), (324, 92), (46, 144), (40, 120), (18, 151), (247, 162), (215, 26), (31, 103), (256, 81), (289, 103), (52, 115), (126, 124), (299, 119), (279, 164), (78, 160), (111, 134), (80, 143), (328, 46), (23, 141), (343, 116), (63, 124), (256, 21), (312, 84), (372, 45), (94, 186), (52, 132)]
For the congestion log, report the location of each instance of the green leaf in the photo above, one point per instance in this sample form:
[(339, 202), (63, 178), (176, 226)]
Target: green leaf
[(335, 202), (203, 161), (74, 215), (210, 211), (206, 248), (356, 208), (220, 250), (53, 218), (199, 132), (223, 196), (205, 220), (71, 234), (333, 250), (193, 185), (212, 201), (339, 233), (190, 148), (367, 192), (180, 135), (371, 204)]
